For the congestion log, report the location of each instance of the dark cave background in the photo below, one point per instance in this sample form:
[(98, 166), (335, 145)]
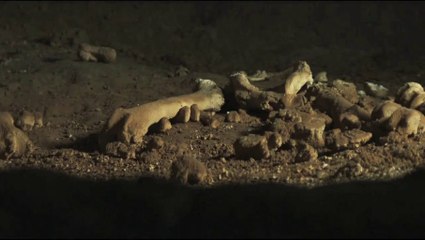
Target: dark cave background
[(353, 40), (221, 37)]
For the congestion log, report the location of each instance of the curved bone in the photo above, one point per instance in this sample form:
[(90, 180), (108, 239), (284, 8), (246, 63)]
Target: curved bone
[(301, 76), (250, 97), (130, 125)]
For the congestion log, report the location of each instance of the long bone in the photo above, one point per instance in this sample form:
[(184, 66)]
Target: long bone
[(250, 97), (130, 125)]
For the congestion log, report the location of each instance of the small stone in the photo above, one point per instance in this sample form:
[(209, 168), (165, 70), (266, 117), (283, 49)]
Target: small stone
[(207, 119), (215, 123), (321, 77), (376, 90), (348, 139), (321, 174), (38, 119), (306, 153), (155, 143), (274, 140), (348, 120), (93, 53), (251, 146), (188, 170), (361, 93), (347, 90), (182, 71), (311, 130), (233, 117), (289, 115), (26, 121), (119, 149)]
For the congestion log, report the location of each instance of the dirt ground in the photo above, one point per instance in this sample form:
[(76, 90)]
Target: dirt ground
[(40, 71)]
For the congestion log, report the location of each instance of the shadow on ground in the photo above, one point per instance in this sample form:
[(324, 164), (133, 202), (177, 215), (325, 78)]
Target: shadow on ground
[(37, 203)]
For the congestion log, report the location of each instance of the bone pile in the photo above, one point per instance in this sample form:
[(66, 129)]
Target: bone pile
[(310, 116), (306, 115)]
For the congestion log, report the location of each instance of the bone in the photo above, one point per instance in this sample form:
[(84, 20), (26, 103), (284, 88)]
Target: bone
[(250, 97), (299, 78), (91, 53), (13, 141), (412, 95), (418, 101), (331, 102), (292, 101), (25, 121), (383, 111), (6, 118), (195, 113), (188, 170), (394, 117), (164, 125), (406, 121), (131, 125), (407, 92), (251, 146), (183, 115)]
